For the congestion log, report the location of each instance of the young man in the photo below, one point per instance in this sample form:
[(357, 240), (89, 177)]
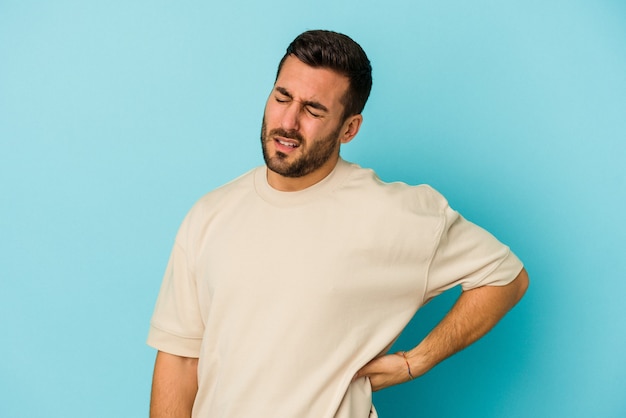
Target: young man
[(287, 286)]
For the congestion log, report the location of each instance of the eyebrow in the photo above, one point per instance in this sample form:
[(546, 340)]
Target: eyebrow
[(310, 103)]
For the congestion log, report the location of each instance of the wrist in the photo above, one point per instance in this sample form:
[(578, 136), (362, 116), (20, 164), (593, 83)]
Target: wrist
[(417, 362), (408, 365)]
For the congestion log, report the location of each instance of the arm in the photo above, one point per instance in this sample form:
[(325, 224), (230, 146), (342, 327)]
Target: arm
[(472, 316), (174, 386)]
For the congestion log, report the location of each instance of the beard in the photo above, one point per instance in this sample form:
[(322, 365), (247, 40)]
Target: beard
[(311, 157)]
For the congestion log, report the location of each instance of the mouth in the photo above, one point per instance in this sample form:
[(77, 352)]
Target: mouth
[(286, 144)]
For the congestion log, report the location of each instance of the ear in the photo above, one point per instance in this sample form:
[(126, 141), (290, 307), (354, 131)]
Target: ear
[(350, 128)]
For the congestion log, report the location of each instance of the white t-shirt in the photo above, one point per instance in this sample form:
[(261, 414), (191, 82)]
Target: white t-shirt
[(284, 296)]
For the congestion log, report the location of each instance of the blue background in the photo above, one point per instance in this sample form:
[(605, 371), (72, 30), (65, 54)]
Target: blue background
[(116, 116)]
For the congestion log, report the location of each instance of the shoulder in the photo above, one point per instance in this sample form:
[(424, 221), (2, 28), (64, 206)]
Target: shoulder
[(217, 201), (239, 186), (420, 198)]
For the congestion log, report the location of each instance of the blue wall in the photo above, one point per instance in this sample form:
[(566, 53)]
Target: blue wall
[(116, 116)]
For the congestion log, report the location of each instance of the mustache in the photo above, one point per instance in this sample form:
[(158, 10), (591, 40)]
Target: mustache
[(292, 134)]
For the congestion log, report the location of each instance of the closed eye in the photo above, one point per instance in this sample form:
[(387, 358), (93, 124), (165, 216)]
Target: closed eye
[(311, 111), (282, 95), (313, 108)]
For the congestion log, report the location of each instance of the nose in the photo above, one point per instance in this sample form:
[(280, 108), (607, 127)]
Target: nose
[(291, 116)]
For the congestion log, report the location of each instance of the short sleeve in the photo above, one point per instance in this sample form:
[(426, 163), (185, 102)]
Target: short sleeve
[(176, 326), (469, 256)]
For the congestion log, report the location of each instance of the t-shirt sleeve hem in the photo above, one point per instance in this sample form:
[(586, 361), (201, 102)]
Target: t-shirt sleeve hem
[(503, 274), (173, 344)]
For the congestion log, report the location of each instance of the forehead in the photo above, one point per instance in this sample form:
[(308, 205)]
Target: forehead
[(307, 83)]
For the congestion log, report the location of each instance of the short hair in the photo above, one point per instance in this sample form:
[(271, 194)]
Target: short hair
[(338, 52)]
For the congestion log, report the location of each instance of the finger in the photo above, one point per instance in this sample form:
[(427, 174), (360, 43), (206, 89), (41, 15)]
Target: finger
[(361, 373), (375, 367)]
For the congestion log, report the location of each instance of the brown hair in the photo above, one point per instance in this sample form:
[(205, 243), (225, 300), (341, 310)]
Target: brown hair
[(338, 52)]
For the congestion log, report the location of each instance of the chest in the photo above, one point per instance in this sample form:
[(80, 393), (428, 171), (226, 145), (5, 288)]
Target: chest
[(317, 254)]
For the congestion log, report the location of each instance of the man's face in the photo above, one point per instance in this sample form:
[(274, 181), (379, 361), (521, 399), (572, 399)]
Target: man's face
[(303, 121)]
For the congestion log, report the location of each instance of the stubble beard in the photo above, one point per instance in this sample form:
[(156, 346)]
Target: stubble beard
[(310, 159)]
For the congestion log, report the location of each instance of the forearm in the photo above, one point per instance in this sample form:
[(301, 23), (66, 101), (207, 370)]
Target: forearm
[(174, 386), (472, 316)]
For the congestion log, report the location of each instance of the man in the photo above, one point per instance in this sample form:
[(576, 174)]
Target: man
[(287, 286)]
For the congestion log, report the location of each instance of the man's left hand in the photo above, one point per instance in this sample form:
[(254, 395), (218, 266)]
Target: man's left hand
[(386, 371)]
